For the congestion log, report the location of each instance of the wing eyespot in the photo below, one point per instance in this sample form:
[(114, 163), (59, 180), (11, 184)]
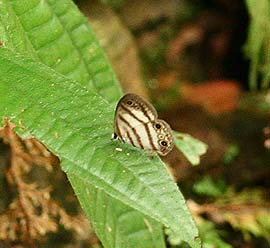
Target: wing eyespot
[(158, 126), (164, 143)]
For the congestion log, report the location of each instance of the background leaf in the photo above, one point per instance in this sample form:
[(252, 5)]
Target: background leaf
[(192, 148), (257, 48)]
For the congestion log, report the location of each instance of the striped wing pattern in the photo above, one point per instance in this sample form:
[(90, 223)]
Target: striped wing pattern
[(136, 123)]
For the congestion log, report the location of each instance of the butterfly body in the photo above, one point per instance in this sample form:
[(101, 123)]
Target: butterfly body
[(136, 122)]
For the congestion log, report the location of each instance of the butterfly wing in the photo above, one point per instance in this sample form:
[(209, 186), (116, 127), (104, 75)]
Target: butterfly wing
[(136, 123)]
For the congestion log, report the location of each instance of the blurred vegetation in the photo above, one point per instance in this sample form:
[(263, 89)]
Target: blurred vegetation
[(257, 47)]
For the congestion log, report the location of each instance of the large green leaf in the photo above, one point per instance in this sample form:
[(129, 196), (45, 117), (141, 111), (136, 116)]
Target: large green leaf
[(76, 125), (56, 33)]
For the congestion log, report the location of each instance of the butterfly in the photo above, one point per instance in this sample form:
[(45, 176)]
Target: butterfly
[(136, 122)]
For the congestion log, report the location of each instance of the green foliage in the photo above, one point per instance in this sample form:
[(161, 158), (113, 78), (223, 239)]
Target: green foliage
[(190, 147), (211, 237), (246, 211), (257, 47), (126, 195), (256, 103), (207, 186), (253, 218), (231, 154)]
